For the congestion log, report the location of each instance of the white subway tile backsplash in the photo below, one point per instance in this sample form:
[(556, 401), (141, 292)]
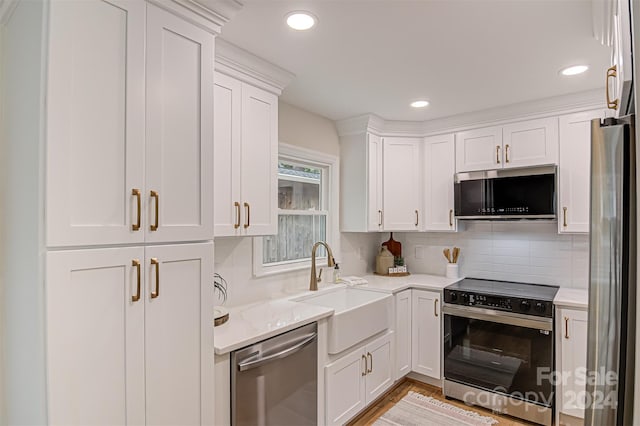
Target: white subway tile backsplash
[(514, 251)]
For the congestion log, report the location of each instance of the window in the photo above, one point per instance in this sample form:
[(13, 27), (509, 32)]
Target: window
[(306, 202)]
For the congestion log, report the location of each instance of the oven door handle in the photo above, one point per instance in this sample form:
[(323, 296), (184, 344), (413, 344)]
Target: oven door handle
[(491, 315)]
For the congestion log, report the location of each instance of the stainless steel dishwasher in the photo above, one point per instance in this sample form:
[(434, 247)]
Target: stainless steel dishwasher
[(275, 382)]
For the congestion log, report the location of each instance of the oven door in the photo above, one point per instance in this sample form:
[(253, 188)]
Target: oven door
[(502, 352)]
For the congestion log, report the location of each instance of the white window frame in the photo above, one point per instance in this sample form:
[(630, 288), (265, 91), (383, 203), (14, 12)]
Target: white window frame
[(331, 191)]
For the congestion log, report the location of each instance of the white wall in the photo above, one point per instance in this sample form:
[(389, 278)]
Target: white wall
[(22, 217), (3, 180), (234, 256), (530, 252)]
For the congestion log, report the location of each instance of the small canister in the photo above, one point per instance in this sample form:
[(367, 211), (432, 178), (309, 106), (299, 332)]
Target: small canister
[(384, 261)]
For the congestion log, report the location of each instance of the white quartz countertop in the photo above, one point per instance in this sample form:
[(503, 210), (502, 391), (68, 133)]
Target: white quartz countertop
[(396, 284), (258, 321), (572, 298)]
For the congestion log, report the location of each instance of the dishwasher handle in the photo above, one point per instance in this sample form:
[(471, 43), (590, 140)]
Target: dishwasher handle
[(248, 365)]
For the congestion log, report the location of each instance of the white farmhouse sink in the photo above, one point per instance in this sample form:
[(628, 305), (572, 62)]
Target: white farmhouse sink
[(358, 314)]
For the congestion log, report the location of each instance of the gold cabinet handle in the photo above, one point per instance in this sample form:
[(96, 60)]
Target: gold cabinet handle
[(379, 217), (611, 73), (237, 224), (136, 193), (564, 215), (417, 217), (136, 264), (154, 226), (497, 154), (364, 372), (370, 369), (506, 153), (247, 222), (156, 293), (566, 327), (451, 218), (435, 307)]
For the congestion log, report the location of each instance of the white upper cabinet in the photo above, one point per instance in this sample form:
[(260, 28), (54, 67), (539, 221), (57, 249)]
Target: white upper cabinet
[(402, 179), (95, 122), (259, 172), (522, 144), (438, 171), (574, 171), (122, 168), (530, 143), (246, 158), (479, 149), (361, 183), (620, 75), (374, 190), (179, 145)]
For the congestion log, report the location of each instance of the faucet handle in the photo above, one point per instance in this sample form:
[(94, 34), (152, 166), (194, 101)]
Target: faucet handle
[(320, 276)]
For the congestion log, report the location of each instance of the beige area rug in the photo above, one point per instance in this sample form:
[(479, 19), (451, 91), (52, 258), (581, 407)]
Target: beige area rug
[(416, 409)]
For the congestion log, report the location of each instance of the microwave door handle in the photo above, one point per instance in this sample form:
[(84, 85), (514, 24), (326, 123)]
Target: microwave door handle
[(249, 365)]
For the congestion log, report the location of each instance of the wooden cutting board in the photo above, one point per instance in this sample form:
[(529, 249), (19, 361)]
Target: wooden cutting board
[(395, 247)]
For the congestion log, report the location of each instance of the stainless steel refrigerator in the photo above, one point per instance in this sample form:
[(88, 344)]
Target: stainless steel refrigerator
[(612, 275)]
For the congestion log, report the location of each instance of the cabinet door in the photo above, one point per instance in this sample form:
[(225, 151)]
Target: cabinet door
[(573, 360), (403, 334), (95, 337), (426, 336), (259, 181), (374, 175), (179, 334), (95, 125), (620, 86), (530, 143), (179, 145), (574, 171), (479, 149), (226, 155), (401, 184), (380, 372), (345, 387), (439, 170)]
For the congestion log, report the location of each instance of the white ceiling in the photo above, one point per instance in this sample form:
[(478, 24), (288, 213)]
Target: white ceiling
[(375, 56)]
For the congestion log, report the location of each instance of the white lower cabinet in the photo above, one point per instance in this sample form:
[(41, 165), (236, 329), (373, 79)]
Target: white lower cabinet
[(403, 333), (130, 336), (571, 362), (426, 336), (357, 379)]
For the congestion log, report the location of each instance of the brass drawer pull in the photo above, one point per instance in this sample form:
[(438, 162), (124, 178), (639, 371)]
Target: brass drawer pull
[(497, 154), (136, 193), (156, 293), (435, 307), (154, 226), (247, 222), (566, 327), (564, 214), (136, 264), (506, 153), (370, 369), (379, 217), (451, 218), (237, 224), (364, 372), (611, 73)]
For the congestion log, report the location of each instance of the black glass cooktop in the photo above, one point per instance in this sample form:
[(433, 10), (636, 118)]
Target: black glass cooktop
[(506, 289)]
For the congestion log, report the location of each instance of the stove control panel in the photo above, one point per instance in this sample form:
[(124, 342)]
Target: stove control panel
[(501, 303)]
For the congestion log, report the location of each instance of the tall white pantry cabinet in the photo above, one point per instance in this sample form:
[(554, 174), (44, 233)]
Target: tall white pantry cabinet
[(119, 306)]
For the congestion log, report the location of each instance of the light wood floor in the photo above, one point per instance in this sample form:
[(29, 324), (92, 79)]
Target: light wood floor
[(394, 395)]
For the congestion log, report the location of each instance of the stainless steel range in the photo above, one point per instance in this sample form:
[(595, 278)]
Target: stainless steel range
[(498, 347)]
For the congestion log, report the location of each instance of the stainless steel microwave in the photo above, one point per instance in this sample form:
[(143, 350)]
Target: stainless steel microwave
[(506, 194)]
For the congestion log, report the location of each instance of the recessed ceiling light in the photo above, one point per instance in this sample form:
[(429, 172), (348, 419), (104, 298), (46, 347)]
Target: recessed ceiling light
[(419, 104), (301, 20), (577, 69)]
